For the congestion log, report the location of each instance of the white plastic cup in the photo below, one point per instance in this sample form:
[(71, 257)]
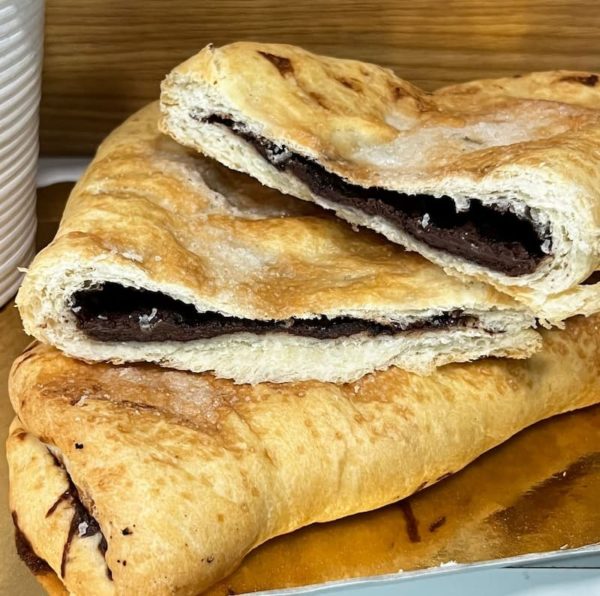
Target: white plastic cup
[(21, 51)]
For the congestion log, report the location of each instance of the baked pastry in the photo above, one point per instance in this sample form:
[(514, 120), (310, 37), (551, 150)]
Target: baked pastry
[(168, 258), (533, 494), (497, 180), (138, 479)]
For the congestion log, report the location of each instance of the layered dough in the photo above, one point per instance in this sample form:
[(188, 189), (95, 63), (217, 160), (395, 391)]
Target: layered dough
[(496, 180), (166, 257), (108, 464)]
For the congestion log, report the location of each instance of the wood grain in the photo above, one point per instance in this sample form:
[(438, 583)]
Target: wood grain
[(50, 205), (105, 58)]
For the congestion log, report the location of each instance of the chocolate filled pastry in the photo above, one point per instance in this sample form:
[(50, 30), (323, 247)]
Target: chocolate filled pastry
[(140, 480), (496, 180), (167, 257)]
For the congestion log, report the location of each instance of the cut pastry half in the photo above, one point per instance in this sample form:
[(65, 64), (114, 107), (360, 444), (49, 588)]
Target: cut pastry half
[(496, 180)]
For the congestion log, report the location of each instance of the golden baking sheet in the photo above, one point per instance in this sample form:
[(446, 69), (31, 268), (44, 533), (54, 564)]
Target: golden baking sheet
[(537, 493)]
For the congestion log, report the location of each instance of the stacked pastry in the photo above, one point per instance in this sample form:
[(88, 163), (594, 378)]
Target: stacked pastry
[(294, 374)]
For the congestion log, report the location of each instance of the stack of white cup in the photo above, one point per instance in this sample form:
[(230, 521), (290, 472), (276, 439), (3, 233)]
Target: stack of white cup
[(21, 47)]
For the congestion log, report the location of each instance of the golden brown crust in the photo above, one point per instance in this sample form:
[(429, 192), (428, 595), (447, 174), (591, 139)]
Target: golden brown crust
[(204, 470), (147, 214), (579, 88), (528, 142), (331, 108)]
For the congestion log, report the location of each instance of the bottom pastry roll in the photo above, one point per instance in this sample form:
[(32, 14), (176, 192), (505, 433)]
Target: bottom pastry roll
[(136, 479)]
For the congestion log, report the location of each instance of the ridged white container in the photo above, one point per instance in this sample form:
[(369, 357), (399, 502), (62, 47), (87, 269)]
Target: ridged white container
[(21, 47)]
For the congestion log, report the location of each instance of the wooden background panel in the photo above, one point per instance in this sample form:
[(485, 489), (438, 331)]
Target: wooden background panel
[(105, 58)]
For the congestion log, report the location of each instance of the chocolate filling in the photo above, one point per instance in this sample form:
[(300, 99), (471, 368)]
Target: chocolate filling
[(89, 527), (25, 551), (83, 523), (112, 312), (594, 278), (486, 235), (66, 496)]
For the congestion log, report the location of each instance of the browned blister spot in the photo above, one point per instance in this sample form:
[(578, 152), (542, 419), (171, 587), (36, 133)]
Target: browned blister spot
[(398, 92), (282, 64), (318, 99), (351, 84), (589, 81)]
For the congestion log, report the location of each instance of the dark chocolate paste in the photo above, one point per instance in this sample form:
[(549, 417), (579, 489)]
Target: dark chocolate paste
[(66, 496), (25, 551), (482, 234), (80, 515), (112, 312), (412, 525), (594, 278)]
